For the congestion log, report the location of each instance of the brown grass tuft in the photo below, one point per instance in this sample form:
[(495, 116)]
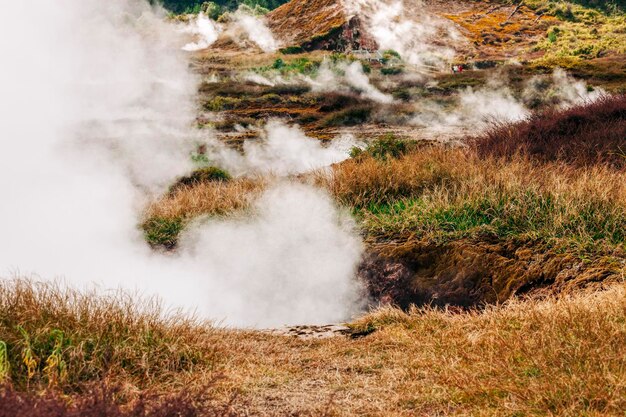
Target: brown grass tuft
[(209, 198), (63, 338)]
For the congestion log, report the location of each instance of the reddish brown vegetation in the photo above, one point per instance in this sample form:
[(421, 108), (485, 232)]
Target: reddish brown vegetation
[(586, 135), (103, 401)]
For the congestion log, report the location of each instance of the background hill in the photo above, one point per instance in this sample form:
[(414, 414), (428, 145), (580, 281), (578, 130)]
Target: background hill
[(182, 6)]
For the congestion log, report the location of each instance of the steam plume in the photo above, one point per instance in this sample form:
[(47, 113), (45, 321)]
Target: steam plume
[(97, 105), (207, 31)]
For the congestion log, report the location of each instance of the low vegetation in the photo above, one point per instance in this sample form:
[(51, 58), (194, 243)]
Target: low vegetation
[(557, 177), (584, 31), (304, 66), (351, 116), (551, 185), (387, 147), (556, 356), (103, 401), (439, 195), (200, 176), (217, 7), (167, 217), (593, 134), (57, 337)]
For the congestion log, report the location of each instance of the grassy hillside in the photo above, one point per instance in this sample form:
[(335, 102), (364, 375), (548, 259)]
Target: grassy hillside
[(495, 262), (468, 225)]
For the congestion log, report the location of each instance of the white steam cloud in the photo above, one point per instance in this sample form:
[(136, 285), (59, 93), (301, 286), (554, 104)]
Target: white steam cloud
[(285, 264), (423, 40), (477, 109), (205, 29), (283, 151), (561, 89), (242, 26), (357, 79), (97, 104), (255, 30), (344, 77)]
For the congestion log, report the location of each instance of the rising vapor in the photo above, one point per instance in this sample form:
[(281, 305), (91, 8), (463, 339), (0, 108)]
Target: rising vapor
[(98, 103)]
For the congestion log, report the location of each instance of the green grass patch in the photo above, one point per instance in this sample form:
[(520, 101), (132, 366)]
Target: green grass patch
[(199, 176), (221, 103), (303, 66), (593, 227), (291, 50), (391, 70), (348, 117), (388, 146), (584, 32), (163, 232)]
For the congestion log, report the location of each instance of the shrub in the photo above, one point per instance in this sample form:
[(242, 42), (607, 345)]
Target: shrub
[(390, 53), (552, 34), (588, 134), (391, 71), (212, 10), (291, 50), (348, 117), (388, 146), (278, 64), (298, 65), (338, 57), (200, 176), (163, 232)]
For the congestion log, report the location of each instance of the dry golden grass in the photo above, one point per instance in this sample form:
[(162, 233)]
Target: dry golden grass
[(208, 198), (441, 193), (564, 356), (61, 337), (443, 172)]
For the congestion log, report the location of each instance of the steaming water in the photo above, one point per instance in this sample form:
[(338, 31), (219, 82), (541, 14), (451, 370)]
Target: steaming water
[(97, 104)]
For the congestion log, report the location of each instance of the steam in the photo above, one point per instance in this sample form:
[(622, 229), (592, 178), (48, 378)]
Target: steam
[(422, 40), (205, 29), (344, 77), (259, 79), (477, 109), (97, 105), (241, 26), (283, 256), (474, 110), (561, 89), (357, 79), (255, 30), (284, 151)]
